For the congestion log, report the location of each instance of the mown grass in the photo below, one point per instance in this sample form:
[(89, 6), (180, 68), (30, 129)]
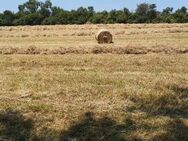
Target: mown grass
[(83, 36), (57, 83), (94, 97)]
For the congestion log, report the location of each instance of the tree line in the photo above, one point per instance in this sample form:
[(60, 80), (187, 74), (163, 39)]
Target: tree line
[(35, 12)]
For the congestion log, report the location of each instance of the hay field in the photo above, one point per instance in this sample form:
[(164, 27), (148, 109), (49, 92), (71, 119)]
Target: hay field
[(80, 39), (58, 84)]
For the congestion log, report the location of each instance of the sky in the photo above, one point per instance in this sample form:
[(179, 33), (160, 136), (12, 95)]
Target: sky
[(99, 5)]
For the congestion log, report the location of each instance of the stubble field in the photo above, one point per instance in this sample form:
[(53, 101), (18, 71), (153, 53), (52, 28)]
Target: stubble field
[(57, 83)]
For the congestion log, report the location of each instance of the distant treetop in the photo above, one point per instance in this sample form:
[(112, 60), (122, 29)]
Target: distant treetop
[(35, 12)]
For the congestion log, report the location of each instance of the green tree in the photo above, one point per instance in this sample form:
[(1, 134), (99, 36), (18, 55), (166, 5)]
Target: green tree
[(133, 18), (1, 19), (181, 15), (33, 19), (112, 17), (146, 13), (123, 16), (126, 11), (19, 19), (51, 21), (152, 13), (34, 12), (81, 15), (167, 15), (7, 18), (167, 11), (91, 12), (45, 8), (31, 6), (100, 17)]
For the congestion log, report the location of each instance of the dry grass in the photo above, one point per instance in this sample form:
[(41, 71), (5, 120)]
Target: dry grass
[(125, 91), (95, 50), (83, 36)]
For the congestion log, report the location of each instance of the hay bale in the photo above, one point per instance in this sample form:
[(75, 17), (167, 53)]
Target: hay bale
[(104, 36)]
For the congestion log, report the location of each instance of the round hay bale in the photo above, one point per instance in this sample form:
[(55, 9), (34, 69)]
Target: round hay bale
[(104, 36)]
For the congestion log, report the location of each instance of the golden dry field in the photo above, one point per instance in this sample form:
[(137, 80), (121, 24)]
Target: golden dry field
[(58, 84)]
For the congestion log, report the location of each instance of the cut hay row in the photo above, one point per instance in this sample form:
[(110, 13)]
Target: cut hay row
[(89, 30), (93, 27), (95, 50), (43, 33)]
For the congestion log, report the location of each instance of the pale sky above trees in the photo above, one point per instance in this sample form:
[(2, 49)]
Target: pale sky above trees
[(99, 5)]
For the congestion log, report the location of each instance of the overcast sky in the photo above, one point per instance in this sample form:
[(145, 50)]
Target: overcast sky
[(99, 5)]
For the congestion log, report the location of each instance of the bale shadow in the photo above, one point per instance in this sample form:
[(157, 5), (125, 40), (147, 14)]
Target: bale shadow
[(102, 129), (173, 104), (176, 130), (181, 91), (14, 126), (179, 108)]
